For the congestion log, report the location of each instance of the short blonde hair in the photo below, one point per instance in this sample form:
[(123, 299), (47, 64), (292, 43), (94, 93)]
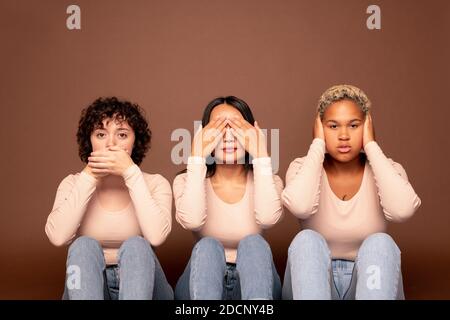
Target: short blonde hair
[(342, 92)]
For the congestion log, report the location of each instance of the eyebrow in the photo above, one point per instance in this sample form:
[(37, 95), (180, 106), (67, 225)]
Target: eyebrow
[(118, 129), (335, 121)]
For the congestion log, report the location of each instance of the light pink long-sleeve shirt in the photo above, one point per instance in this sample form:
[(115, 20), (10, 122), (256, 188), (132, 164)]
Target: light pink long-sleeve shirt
[(77, 211), (384, 195), (200, 210)]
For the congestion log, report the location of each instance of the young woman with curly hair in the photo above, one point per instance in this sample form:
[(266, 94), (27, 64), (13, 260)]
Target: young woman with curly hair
[(111, 213), (344, 191)]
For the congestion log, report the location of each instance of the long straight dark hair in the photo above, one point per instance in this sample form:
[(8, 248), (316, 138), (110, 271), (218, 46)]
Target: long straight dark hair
[(246, 113)]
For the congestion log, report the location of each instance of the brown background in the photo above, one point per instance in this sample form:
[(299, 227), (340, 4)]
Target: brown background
[(173, 57)]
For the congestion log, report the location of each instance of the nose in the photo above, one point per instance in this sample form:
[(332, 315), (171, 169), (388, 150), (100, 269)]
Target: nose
[(228, 135), (111, 141), (343, 134)]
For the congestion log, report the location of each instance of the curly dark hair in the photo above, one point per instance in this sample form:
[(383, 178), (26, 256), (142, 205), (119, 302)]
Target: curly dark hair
[(111, 107)]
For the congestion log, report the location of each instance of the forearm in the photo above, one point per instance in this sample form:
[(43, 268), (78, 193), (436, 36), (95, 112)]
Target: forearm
[(397, 196), (191, 202), (153, 214), (69, 209), (268, 207), (301, 195)]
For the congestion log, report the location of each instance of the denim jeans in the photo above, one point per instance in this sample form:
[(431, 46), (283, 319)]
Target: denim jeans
[(208, 277), (137, 276), (312, 274)]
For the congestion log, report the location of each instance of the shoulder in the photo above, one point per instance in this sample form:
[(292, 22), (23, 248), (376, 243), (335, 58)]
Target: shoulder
[(180, 178), (179, 183), (69, 180), (156, 181), (278, 180)]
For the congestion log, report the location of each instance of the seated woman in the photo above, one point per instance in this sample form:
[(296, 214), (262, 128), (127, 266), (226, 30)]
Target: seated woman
[(344, 198), (111, 212), (226, 199)]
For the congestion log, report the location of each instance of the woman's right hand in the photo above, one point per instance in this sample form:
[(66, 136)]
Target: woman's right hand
[(97, 176), (207, 138), (318, 128)]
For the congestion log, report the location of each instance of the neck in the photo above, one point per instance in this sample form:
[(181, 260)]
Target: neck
[(350, 167), (230, 172), (111, 182)]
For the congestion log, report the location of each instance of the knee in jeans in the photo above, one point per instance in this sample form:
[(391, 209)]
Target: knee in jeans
[(208, 244), (254, 242), (85, 245), (379, 242), (308, 241), (136, 246)]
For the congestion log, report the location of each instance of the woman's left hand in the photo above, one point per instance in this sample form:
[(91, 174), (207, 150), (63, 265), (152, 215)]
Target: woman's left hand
[(369, 132), (113, 161), (250, 137)]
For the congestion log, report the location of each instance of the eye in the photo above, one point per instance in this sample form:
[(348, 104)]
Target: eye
[(100, 135), (332, 126), (123, 135), (354, 126)]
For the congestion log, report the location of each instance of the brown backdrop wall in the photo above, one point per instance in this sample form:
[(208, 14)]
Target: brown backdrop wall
[(172, 57)]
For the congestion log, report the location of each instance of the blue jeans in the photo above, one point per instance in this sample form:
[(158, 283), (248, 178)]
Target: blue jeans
[(208, 277), (138, 274), (312, 274)]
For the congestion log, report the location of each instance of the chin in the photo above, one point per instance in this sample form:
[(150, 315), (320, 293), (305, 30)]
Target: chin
[(230, 159), (237, 157), (345, 157)]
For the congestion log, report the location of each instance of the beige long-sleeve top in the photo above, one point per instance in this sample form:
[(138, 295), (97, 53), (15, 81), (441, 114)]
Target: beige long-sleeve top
[(200, 210), (77, 211), (384, 195)]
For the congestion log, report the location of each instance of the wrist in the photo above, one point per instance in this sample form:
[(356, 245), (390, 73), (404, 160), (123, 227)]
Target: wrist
[(319, 140), (87, 170), (262, 154), (262, 166), (368, 141), (196, 160), (318, 137), (194, 153), (87, 173), (128, 171)]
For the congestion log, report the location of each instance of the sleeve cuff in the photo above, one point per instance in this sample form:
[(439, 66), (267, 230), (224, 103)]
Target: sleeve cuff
[(370, 143), (196, 160), (371, 148), (131, 171), (197, 166), (88, 177), (262, 161), (263, 166), (319, 142)]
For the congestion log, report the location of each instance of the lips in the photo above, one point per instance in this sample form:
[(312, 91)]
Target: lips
[(229, 149), (344, 149)]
